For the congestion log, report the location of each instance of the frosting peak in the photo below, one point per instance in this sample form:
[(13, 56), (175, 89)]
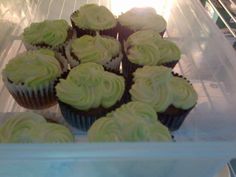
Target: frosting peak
[(134, 121), (98, 49), (94, 17), (89, 86), (156, 86), (50, 32)]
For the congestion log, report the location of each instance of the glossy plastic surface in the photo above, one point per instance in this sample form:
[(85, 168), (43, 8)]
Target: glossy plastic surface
[(205, 142)]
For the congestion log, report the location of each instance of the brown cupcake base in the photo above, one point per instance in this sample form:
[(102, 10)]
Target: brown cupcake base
[(83, 120), (173, 117), (39, 98)]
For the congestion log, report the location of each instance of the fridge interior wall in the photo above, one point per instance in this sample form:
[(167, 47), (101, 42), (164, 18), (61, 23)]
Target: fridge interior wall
[(207, 60)]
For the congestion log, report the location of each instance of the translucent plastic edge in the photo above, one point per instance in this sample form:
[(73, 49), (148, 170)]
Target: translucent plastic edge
[(224, 150)]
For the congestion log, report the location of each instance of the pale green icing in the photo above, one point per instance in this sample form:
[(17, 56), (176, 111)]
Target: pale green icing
[(141, 19), (156, 86), (33, 69), (50, 32), (151, 86), (134, 121), (94, 17), (96, 49), (169, 51), (148, 48), (29, 127), (89, 86), (185, 96), (143, 36)]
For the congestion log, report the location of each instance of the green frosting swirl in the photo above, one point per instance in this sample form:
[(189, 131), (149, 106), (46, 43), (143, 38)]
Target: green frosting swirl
[(141, 19), (33, 68), (151, 86), (134, 121), (184, 95), (148, 48), (96, 49), (168, 51), (29, 127), (50, 32), (89, 86), (94, 17), (156, 86)]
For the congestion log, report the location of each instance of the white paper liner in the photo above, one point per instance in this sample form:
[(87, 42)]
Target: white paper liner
[(37, 98), (113, 64)]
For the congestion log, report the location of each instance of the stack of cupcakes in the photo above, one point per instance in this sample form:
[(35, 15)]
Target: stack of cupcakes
[(111, 76)]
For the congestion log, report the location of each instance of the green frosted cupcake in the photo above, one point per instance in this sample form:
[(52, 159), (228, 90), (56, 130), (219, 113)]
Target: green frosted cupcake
[(98, 49), (172, 96), (30, 78), (137, 19), (47, 34), (88, 93), (29, 127), (92, 18), (134, 121), (148, 48)]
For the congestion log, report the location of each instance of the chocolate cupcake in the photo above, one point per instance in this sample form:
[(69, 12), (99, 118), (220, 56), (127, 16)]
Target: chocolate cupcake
[(172, 96), (30, 78), (148, 48), (131, 122), (51, 34), (102, 50), (92, 18), (88, 93), (29, 127), (137, 19)]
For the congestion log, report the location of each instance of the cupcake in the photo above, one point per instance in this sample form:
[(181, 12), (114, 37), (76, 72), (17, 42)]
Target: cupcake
[(134, 121), (172, 96), (92, 18), (29, 127), (98, 49), (137, 19), (47, 34), (148, 48), (30, 78), (88, 93)]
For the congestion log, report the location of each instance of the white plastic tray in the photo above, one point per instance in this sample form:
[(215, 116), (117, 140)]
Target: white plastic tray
[(205, 142)]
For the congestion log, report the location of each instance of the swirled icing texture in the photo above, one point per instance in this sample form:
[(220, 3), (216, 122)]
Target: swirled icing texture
[(147, 48), (89, 86), (94, 17), (96, 49), (156, 86), (50, 32), (29, 127), (33, 68), (134, 121), (141, 19)]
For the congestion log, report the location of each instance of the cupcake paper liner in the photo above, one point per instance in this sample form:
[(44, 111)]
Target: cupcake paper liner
[(84, 119), (173, 121), (80, 32), (38, 98), (113, 65)]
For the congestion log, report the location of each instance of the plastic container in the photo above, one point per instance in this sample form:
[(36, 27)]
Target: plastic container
[(204, 143)]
